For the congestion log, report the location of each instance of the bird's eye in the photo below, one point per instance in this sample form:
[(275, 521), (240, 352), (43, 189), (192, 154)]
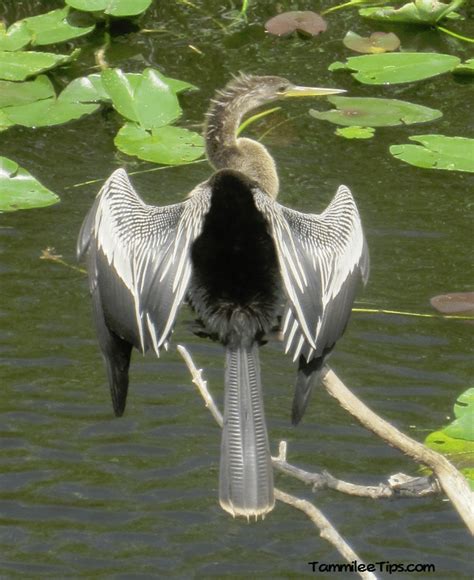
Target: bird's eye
[(282, 88)]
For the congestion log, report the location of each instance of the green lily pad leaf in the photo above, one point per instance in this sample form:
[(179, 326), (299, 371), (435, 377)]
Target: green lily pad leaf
[(16, 37), (85, 90), (20, 190), (112, 7), (167, 145), (17, 66), (355, 132), (371, 112), (461, 428), (48, 112), (465, 68), (402, 67), (12, 93), (465, 404), (146, 99), (306, 22), (440, 441), (418, 12), (178, 86), (376, 43), (54, 27), (438, 152), (5, 122), (456, 441), (454, 303)]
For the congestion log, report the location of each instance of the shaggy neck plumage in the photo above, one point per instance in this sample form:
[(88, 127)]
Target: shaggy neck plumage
[(224, 149)]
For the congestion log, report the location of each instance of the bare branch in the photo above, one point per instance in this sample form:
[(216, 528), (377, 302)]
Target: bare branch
[(326, 530), (201, 384), (452, 482)]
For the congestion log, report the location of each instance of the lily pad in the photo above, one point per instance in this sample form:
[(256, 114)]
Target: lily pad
[(377, 42), (12, 93), (17, 66), (148, 101), (48, 112), (91, 89), (86, 90), (20, 190), (438, 152), (456, 440), (403, 67), (454, 303), (418, 12), (372, 112), (111, 7), (167, 145), (306, 22), (5, 123), (465, 68), (355, 132), (16, 37), (53, 27), (39, 107), (465, 404)]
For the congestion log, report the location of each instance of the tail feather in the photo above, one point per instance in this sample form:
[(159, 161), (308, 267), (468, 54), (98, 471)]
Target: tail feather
[(246, 475), (307, 376)]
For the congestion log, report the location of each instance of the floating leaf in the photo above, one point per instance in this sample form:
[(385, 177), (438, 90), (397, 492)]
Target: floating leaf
[(167, 145), (303, 21), (376, 43), (372, 112), (20, 190), (86, 90), (5, 123), (53, 27), (456, 440), (465, 68), (112, 7), (47, 112), (90, 89), (403, 67), (355, 132), (147, 99), (417, 12), (13, 93), (442, 442), (465, 404), (438, 152), (454, 303), (17, 66), (462, 428), (16, 37)]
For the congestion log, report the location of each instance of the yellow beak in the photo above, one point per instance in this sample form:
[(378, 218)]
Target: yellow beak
[(295, 91)]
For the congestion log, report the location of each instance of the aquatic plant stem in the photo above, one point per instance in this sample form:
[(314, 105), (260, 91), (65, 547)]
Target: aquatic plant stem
[(454, 34)]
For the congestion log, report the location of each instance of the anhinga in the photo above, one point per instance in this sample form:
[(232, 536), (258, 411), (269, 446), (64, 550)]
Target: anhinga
[(242, 261)]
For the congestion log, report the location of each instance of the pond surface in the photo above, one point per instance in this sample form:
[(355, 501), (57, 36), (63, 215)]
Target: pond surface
[(83, 494)]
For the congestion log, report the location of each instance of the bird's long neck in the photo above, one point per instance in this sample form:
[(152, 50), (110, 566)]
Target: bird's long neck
[(225, 150)]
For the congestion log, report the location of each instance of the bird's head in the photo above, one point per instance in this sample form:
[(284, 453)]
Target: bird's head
[(258, 90)]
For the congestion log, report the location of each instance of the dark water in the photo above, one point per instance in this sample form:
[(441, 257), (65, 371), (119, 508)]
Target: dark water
[(85, 495)]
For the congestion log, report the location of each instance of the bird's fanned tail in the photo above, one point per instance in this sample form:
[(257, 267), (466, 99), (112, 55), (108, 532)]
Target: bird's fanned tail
[(246, 476)]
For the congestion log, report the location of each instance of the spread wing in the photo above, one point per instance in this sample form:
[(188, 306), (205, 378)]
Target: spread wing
[(138, 259), (322, 259)]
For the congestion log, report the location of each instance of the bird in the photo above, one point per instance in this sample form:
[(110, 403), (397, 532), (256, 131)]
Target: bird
[(244, 263)]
